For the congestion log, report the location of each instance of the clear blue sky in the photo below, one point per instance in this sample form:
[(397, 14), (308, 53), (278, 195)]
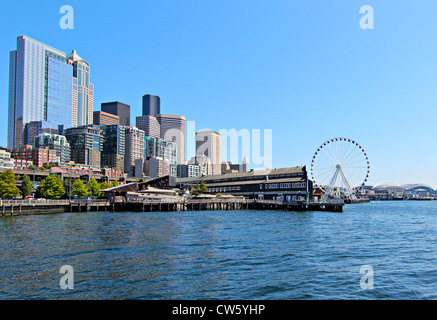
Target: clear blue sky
[(302, 68)]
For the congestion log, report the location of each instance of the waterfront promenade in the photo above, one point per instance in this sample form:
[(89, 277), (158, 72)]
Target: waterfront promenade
[(43, 206)]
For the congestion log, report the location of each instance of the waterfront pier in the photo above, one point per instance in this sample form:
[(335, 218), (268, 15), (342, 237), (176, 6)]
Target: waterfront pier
[(36, 206)]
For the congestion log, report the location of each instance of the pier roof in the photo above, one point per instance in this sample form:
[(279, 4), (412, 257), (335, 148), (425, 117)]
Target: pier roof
[(122, 188), (241, 175)]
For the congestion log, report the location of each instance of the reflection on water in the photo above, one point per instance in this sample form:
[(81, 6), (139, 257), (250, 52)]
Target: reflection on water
[(223, 254)]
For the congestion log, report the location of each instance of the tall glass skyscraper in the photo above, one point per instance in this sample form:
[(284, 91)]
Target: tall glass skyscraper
[(41, 88), (83, 91)]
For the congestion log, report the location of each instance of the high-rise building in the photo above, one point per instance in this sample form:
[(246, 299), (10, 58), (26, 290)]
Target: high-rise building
[(40, 87), (208, 143), (86, 145), (120, 109), (156, 167), (105, 119), (83, 91), (151, 105), (156, 147), (172, 129), (113, 149), (150, 126), (188, 170), (204, 164), (34, 128), (55, 142), (134, 148)]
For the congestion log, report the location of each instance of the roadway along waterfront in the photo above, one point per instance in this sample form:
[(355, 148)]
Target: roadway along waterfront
[(240, 254)]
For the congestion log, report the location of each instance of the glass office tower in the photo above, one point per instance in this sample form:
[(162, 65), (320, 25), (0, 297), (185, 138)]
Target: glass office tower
[(46, 85), (40, 87)]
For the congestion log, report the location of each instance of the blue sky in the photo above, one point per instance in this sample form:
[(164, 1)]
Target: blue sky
[(304, 69)]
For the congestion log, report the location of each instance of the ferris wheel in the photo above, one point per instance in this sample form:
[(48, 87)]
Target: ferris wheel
[(340, 166)]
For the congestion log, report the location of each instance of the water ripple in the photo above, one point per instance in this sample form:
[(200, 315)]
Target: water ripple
[(224, 254)]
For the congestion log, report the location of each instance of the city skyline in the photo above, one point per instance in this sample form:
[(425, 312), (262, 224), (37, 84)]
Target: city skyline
[(341, 81)]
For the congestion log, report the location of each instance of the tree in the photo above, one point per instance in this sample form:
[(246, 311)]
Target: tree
[(196, 191), (79, 189), (26, 186), (50, 165), (7, 176), (94, 188), (114, 183), (104, 185), (32, 167), (8, 189), (203, 186), (52, 187)]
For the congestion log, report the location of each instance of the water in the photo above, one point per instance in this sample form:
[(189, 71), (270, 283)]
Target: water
[(224, 254)]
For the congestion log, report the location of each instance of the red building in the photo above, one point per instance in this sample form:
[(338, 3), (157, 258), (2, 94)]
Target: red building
[(39, 157)]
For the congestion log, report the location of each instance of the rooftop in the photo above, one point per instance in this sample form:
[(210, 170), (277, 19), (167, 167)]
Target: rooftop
[(253, 173)]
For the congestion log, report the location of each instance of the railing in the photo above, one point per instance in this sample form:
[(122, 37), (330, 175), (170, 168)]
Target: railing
[(91, 201), (329, 201), (34, 202), (148, 201), (269, 201), (191, 201), (51, 202)]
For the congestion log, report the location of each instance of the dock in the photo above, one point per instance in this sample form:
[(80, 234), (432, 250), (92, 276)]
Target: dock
[(37, 206)]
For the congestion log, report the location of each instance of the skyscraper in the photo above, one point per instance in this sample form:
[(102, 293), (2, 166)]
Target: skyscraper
[(173, 130), (121, 110), (40, 87), (113, 149), (83, 91), (151, 105), (208, 143), (134, 148), (105, 119), (150, 126), (86, 144)]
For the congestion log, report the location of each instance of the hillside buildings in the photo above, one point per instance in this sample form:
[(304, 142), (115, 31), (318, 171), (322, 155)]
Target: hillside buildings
[(55, 142)]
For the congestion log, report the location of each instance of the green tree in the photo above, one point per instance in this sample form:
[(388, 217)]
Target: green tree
[(26, 186), (50, 165), (52, 187), (114, 183), (94, 188), (32, 167), (196, 191), (104, 185), (203, 186), (79, 189), (8, 188), (7, 176)]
